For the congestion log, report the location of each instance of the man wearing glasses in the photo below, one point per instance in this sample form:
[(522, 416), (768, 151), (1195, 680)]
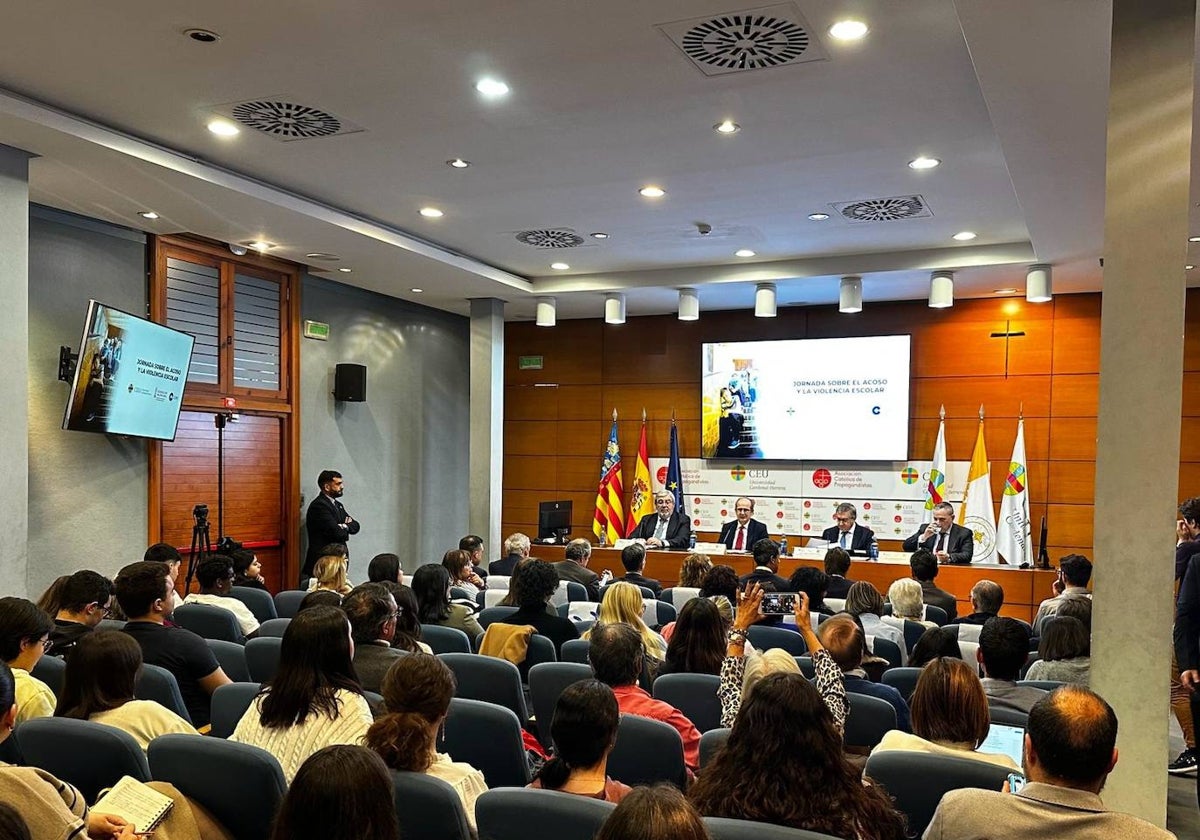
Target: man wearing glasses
[(372, 612), (741, 533), (847, 534), (86, 600)]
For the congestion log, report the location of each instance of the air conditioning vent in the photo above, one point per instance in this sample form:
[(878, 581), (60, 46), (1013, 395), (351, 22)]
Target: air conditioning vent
[(885, 209), (286, 121), (754, 39), (550, 238)]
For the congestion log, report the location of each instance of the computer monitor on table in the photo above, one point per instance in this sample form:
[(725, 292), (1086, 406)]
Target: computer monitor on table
[(554, 520)]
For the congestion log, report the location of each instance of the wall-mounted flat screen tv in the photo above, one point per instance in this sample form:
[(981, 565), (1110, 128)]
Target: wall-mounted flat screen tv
[(830, 399), (129, 377)]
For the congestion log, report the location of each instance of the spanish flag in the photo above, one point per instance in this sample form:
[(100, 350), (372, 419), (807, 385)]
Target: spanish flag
[(609, 522), (641, 500)]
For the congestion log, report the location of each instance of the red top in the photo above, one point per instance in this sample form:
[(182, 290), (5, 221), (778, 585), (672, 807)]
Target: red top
[(633, 700)]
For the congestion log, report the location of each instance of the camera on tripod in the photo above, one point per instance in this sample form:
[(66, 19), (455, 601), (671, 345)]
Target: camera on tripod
[(200, 514)]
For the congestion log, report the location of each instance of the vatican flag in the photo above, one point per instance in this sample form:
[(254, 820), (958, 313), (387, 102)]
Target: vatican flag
[(1014, 539), (977, 512)]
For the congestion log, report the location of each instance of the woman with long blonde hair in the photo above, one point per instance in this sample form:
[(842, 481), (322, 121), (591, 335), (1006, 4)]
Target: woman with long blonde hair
[(622, 604), (330, 573)]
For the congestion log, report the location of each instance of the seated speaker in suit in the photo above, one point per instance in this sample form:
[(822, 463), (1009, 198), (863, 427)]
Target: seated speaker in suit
[(666, 527), (943, 538), (742, 533), (847, 534)]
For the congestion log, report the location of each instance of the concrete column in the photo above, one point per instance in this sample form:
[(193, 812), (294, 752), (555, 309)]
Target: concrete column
[(1141, 371), (14, 373), (486, 447)]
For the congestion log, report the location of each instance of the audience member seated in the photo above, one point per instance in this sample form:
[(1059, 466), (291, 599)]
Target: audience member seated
[(85, 600), (462, 572), (907, 602), (924, 571), (720, 580), (319, 598), (1003, 649), (845, 642), (341, 792), (315, 699), (536, 581), (516, 549), (574, 568), (1080, 608), (1065, 650), (623, 604), (330, 572), (98, 685), (766, 567), (24, 637), (372, 612), (51, 601), (693, 569), (949, 714), (169, 554), (815, 584), (584, 730), (144, 591), (657, 812), (473, 545), (987, 598), (837, 565), (1070, 748), (697, 644), (215, 576), (431, 586), (784, 761), (1074, 574), (247, 571), (416, 693), (617, 655), (864, 602), (385, 568), (936, 642), (408, 628), (633, 558)]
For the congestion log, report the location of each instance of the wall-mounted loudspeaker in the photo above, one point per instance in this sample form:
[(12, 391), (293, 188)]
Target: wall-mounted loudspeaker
[(350, 383)]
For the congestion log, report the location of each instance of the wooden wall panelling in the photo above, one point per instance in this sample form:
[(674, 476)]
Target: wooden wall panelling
[(530, 402), (1191, 333), (1001, 396), (1031, 353), (1189, 480), (1073, 439), (1189, 439), (1069, 524), (1075, 395), (999, 436), (569, 351), (1191, 395), (1076, 334), (1071, 482)]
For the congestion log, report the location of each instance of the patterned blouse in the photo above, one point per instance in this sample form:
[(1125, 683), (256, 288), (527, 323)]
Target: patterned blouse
[(829, 684)]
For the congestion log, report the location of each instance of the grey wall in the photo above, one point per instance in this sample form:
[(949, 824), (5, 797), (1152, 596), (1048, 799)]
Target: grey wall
[(87, 492), (403, 453)]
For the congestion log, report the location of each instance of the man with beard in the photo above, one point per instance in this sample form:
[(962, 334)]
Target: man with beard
[(326, 520)]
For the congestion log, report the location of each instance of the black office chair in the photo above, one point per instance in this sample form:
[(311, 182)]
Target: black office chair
[(677, 596), (258, 601), (159, 684), (494, 614), (209, 622), (903, 680), (287, 602), (546, 682), (229, 704), (711, 743), (765, 638), (1008, 717), (488, 737), (262, 658), (51, 670), (937, 615), (721, 828), (428, 808), (647, 752), (90, 756), (576, 650), (1045, 685), (488, 679), (805, 664), (232, 658), (693, 694), (647, 592), (273, 627), (888, 650), (445, 639), (868, 721), (918, 780), (518, 814)]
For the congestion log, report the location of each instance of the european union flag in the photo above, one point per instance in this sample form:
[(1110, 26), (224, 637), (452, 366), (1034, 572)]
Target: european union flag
[(674, 472)]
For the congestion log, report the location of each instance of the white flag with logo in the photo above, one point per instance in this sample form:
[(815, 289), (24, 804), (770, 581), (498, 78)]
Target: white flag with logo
[(1014, 537), (977, 512)]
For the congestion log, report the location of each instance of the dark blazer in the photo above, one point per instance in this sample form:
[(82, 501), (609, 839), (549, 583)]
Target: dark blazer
[(961, 545), (570, 570), (504, 567), (637, 580), (838, 587), (763, 576), (679, 529), (372, 660), (325, 522), (930, 594), (1187, 618), (755, 531), (860, 540)]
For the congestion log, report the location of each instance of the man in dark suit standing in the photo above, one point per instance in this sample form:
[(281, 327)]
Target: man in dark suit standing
[(326, 521), (766, 567), (946, 540), (666, 527), (847, 534), (742, 533)]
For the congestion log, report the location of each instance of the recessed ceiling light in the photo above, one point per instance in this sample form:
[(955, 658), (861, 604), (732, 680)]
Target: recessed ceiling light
[(1194, 239), (1188, 267), (652, 192), (727, 127), (260, 245), (321, 255), (598, 235), (743, 252), (148, 214), (559, 266), (965, 235), (416, 291), (818, 217), (204, 36), (222, 128), (431, 213), (923, 163), (458, 163), (1004, 292), (345, 270), (848, 30), (491, 88)]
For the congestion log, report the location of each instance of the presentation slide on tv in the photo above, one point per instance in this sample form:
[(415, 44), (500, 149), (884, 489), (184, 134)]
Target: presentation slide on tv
[(130, 376), (808, 399)]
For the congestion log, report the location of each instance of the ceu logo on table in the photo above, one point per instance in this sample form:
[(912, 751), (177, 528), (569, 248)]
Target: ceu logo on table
[(909, 476), (737, 473), (822, 478)]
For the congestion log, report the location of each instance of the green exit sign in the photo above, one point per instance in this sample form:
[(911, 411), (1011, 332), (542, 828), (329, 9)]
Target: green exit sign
[(317, 330), (529, 362)]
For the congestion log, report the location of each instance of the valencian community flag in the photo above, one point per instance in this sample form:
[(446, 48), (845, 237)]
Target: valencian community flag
[(1014, 534), (641, 494), (674, 472), (935, 489), (977, 512), (610, 517)]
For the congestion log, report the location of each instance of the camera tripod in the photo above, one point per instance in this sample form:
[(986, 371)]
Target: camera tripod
[(201, 548)]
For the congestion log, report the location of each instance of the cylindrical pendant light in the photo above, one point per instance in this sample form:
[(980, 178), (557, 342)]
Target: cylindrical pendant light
[(764, 300), (941, 289), (614, 308), (689, 305), (850, 296), (546, 312), (1038, 288)]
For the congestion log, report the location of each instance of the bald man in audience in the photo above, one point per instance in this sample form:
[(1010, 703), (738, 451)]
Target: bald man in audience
[(987, 597)]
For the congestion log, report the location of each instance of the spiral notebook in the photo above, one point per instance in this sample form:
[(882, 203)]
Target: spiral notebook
[(135, 802)]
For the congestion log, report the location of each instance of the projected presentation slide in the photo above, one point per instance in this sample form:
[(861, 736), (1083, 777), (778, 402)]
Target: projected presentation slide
[(130, 376), (843, 399)]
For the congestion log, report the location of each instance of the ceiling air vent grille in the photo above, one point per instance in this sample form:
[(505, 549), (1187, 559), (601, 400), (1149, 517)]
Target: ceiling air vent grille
[(753, 39), (550, 238), (885, 209), (286, 121)]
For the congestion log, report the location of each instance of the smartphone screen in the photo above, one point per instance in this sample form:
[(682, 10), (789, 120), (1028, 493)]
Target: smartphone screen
[(778, 603), (1015, 782)]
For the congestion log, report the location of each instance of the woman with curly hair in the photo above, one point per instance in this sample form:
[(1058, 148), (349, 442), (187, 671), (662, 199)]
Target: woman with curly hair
[(623, 604), (695, 567), (720, 580), (535, 582)]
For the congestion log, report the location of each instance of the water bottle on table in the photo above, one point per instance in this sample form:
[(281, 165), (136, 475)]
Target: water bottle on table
[(873, 551)]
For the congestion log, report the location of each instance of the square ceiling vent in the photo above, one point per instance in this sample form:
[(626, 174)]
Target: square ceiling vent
[(751, 39), (284, 120), (893, 209)]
